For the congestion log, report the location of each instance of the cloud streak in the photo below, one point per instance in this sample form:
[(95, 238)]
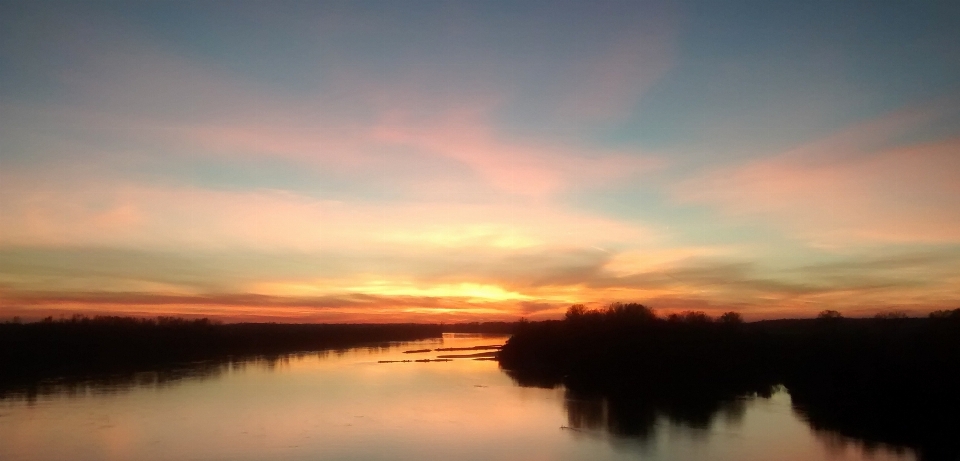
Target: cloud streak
[(856, 186), (129, 214), (537, 284)]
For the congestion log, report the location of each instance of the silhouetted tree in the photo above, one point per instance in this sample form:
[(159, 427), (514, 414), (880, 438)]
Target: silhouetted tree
[(829, 315), (895, 315), (576, 312), (945, 314), (733, 318), (630, 313), (690, 317)]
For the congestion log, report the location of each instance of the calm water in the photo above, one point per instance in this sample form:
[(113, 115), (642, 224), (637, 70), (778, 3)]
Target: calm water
[(347, 406)]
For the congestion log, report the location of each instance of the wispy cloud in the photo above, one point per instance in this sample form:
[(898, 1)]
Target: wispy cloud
[(860, 185), (527, 167), (125, 214)]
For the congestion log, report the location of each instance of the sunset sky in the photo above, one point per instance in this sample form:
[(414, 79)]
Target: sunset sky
[(462, 161)]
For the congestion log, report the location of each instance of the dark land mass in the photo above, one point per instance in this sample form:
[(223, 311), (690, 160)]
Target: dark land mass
[(889, 380), (474, 348), (468, 356), (94, 347), (505, 328)]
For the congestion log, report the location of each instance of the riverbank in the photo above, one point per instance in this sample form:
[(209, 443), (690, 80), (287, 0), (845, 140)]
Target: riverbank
[(92, 346), (893, 379)]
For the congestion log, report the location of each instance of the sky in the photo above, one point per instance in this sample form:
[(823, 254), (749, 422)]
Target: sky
[(478, 161)]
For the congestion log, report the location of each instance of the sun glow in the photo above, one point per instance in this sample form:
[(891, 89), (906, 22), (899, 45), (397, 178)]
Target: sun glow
[(466, 290)]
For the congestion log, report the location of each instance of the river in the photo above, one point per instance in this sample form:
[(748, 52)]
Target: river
[(350, 405)]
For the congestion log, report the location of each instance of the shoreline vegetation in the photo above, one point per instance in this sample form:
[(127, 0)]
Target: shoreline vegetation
[(885, 380), (81, 347)]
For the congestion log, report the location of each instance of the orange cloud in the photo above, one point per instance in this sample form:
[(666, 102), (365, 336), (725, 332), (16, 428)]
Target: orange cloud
[(504, 288)]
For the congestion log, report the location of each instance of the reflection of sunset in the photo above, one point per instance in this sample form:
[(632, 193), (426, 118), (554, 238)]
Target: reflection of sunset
[(348, 405)]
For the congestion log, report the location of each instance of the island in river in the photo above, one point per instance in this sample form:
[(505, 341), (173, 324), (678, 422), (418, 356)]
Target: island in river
[(889, 379)]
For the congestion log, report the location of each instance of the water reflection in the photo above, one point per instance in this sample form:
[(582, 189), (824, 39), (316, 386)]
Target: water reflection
[(646, 425), (114, 383), (346, 405), (638, 417), (637, 414), (697, 408), (839, 446), (844, 427)]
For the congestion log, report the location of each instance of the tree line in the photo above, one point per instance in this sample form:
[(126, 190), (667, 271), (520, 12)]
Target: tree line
[(80, 345), (890, 378)]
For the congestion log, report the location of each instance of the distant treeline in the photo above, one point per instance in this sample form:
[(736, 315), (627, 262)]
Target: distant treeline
[(888, 379), (505, 328), (89, 346)]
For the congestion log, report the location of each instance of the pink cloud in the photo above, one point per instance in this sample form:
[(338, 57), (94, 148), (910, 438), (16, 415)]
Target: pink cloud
[(95, 211), (851, 187), (124, 85), (532, 168)]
